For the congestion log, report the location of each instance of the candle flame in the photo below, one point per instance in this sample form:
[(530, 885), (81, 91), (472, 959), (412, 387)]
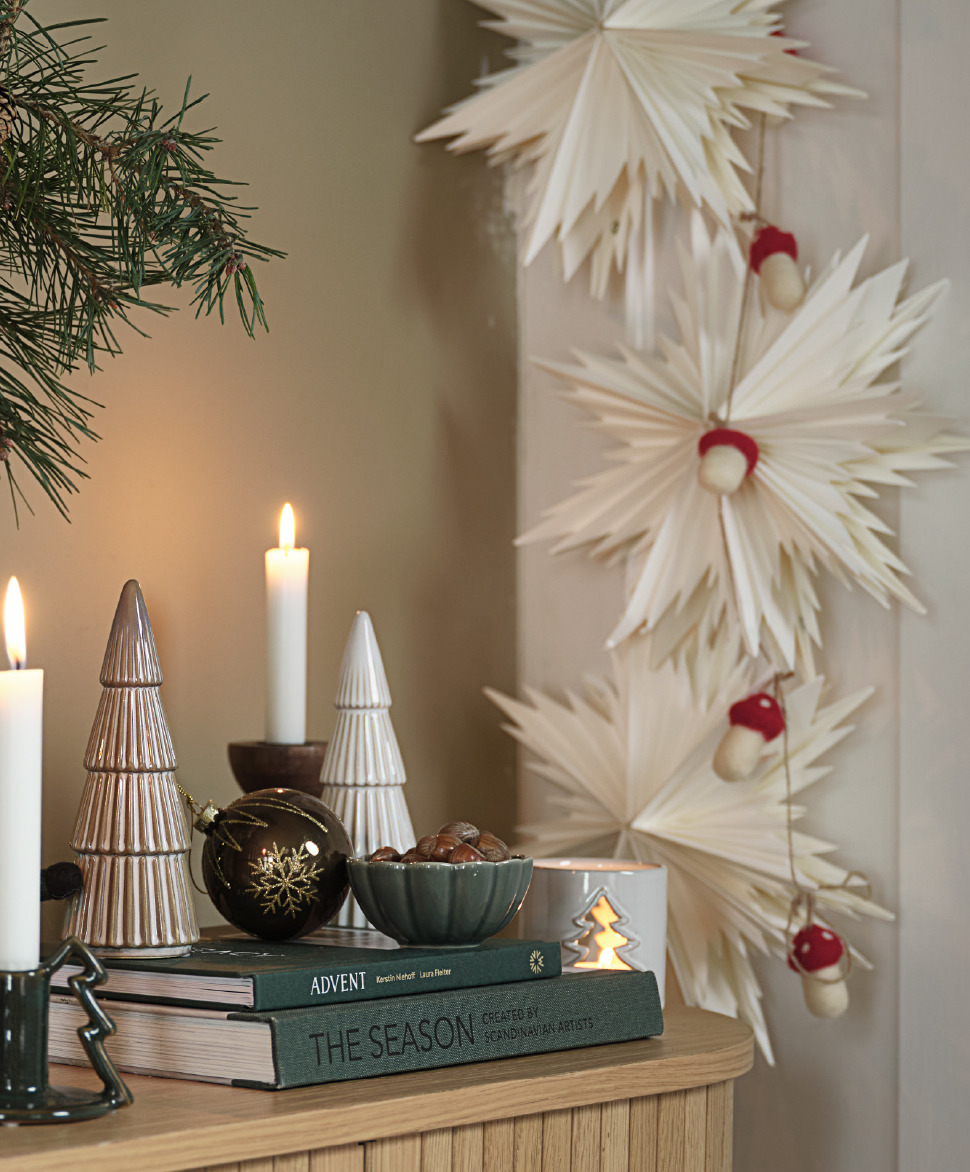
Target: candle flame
[(287, 528), (608, 940), (14, 627)]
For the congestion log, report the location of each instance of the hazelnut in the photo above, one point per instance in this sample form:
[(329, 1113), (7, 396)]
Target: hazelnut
[(425, 846), (463, 831), (464, 852), (444, 845), (493, 848), (385, 854)]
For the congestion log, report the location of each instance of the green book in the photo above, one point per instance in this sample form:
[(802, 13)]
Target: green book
[(329, 966), (362, 1039)]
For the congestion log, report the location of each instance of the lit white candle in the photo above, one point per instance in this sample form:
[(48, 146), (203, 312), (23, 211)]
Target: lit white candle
[(287, 573), (21, 738)]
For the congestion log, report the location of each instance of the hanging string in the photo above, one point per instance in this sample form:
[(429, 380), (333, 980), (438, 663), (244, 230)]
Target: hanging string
[(803, 901), (199, 814), (754, 216)]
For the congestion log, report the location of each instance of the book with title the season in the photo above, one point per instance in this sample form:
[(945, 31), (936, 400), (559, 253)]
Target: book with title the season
[(329, 966), (362, 1039)]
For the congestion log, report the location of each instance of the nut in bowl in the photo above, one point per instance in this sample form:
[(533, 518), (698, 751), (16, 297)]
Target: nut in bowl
[(418, 900)]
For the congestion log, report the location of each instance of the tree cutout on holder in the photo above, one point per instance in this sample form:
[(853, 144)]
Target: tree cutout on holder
[(600, 944), (131, 833), (363, 773)]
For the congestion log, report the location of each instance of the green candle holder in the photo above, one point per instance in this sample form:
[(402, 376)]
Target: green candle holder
[(25, 1094)]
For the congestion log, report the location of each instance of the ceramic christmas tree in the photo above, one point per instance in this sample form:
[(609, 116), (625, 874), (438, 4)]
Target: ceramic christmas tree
[(363, 774), (131, 834)]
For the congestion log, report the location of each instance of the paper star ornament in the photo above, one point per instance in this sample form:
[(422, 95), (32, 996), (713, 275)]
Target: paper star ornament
[(830, 430), (629, 767), (614, 102)]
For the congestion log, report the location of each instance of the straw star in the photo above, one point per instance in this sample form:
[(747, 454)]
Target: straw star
[(830, 430), (612, 102), (629, 771)]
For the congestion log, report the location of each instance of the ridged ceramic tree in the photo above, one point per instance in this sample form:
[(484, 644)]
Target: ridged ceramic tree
[(131, 834), (363, 774)]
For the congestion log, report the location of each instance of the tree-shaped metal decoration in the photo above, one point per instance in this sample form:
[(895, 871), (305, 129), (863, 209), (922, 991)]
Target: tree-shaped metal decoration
[(131, 834), (599, 943), (363, 774)]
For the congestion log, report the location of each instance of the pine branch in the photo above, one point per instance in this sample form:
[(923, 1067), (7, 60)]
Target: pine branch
[(101, 198)]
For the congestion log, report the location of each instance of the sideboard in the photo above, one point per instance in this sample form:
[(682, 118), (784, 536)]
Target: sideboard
[(659, 1105)]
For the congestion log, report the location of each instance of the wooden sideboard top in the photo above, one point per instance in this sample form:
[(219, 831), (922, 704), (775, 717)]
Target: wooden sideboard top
[(174, 1124)]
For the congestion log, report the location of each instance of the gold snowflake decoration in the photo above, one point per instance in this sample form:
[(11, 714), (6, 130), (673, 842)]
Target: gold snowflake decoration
[(536, 961), (284, 880)]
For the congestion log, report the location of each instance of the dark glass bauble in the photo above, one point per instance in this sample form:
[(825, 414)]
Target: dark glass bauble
[(275, 863)]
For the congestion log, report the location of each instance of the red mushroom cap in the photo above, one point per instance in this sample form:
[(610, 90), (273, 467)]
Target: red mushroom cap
[(760, 712), (735, 439), (768, 241), (780, 32), (815, 947)]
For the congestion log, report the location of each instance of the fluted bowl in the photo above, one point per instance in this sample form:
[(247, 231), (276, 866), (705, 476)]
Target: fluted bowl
[(429, 905)]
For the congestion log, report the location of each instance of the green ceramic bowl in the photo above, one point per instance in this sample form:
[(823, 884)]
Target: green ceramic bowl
[(440, 904)]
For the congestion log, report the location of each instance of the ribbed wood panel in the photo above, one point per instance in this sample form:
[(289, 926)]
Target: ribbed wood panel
[(436, 1151), (130, 733), (400, 1154), (131, 813), (363, 750), (498, 1147), (144, 901), (468, 1148), (557, 1140)]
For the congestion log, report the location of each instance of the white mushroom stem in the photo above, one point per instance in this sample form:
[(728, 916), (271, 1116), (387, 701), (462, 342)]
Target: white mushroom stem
[(722, 469), (826, 993), (782, 282), (738, 753)]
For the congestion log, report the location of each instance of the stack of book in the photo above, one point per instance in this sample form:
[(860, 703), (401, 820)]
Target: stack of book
[(348, 1003)]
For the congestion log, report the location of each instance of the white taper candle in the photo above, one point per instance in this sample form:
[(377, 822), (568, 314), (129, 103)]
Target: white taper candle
[(21, 745), (287, 575)]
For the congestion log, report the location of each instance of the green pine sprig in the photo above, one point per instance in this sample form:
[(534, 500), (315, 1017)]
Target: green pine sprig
[(102, 198)]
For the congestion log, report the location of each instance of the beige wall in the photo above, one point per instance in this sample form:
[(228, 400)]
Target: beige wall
[(381, 404)]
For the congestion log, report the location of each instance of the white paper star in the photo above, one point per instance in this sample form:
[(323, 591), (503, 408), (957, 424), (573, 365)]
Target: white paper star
[(830, 435), (615, 101), (630, 768)]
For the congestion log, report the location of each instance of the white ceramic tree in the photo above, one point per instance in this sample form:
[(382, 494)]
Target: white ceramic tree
[(363, 773)]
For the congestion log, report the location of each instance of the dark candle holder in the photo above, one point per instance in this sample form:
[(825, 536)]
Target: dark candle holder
[(263, 765), (25, 1094)]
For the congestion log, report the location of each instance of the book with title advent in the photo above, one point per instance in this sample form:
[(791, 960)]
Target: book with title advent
[(227, 970), (365, 1038)]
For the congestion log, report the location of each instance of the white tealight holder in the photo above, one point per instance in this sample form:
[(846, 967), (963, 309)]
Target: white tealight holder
[(605, 913)]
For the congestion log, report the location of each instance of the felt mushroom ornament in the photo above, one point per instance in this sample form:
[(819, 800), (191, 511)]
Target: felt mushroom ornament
[(818, 954), (755, 720), (773, 255), (727, 457)]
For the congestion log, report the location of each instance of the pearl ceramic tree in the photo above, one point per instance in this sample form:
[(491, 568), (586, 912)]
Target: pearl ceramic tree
[(363, 774), (131, 834)]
